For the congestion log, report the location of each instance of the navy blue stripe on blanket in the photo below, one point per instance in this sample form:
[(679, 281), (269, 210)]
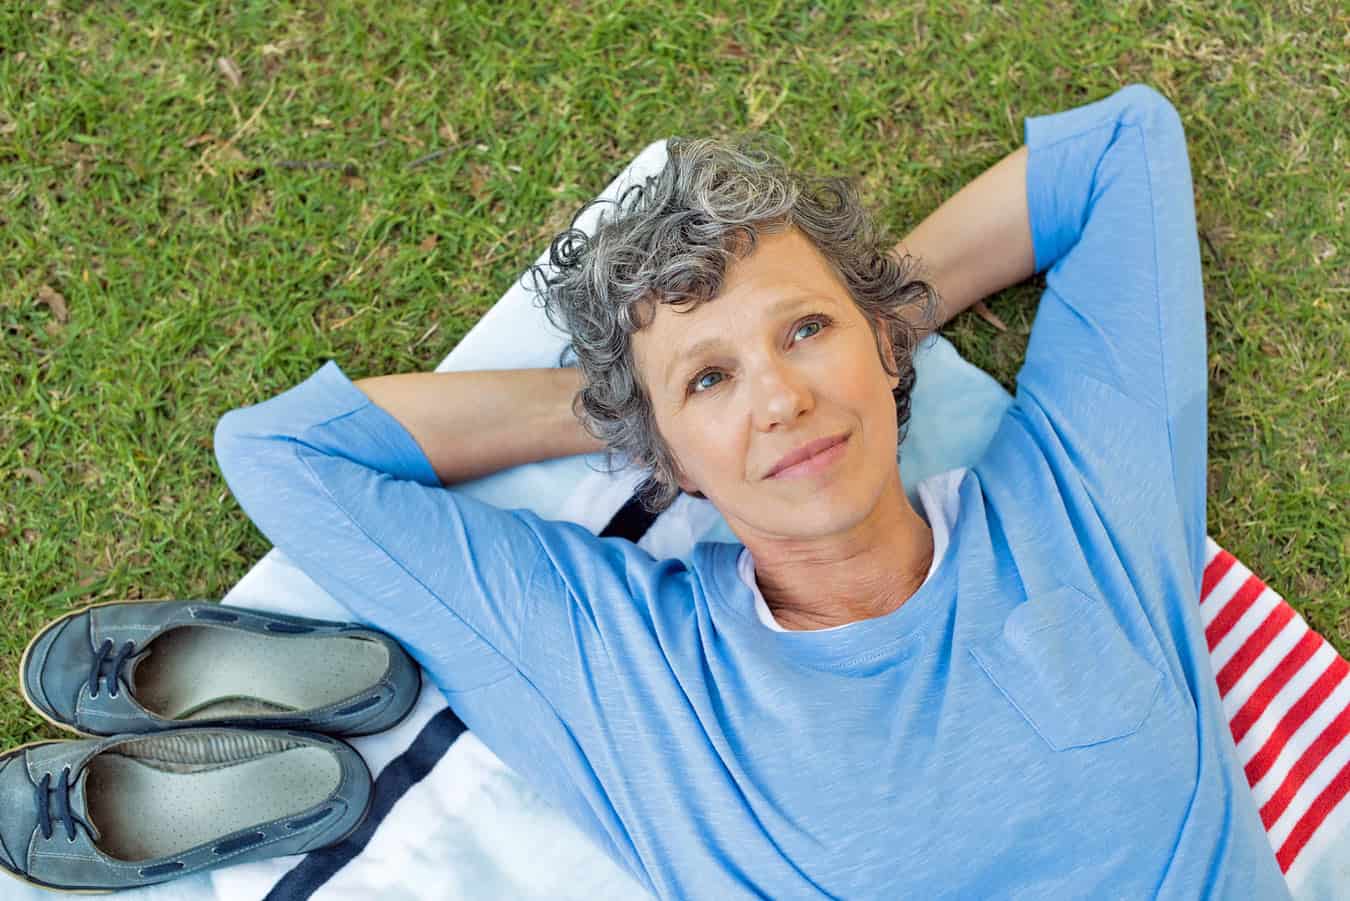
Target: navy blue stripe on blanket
[(398, 776), (631, 522)]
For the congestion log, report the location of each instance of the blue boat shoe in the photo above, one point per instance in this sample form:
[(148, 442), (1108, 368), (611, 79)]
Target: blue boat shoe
[(103, 814), (147, 666)]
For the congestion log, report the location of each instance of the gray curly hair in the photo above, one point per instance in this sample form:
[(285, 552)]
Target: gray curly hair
[(671, 240)]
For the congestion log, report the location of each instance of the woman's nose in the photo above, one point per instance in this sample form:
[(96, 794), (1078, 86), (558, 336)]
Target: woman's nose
[(781, 395)]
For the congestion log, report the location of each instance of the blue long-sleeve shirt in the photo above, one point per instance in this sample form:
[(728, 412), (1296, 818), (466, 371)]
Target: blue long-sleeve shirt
[(1039, 720)]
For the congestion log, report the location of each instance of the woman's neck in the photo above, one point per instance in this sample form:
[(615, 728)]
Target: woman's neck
[(868, 572)]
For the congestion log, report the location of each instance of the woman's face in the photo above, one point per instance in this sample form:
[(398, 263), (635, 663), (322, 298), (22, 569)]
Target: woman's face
[(780, 358)]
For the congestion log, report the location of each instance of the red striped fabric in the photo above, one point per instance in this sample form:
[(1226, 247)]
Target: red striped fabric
[(1286, 694)]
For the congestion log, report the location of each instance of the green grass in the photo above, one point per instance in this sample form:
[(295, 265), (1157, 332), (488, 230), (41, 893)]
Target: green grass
[(213, 243)]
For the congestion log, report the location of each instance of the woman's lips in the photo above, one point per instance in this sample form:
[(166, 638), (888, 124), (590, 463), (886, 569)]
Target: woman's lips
[(816, 463)]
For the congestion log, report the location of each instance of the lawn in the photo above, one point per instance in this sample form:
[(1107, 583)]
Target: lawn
[(203, 202)]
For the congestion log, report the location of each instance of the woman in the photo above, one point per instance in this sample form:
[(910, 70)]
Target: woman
[(1003, 693)]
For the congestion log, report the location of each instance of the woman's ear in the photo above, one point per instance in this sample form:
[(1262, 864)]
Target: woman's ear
[(888, 354), (686, 485), (688, 488), (683, 481)]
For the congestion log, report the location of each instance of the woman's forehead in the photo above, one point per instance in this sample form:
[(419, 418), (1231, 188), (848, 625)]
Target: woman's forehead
[(785, 272), (676, 339)]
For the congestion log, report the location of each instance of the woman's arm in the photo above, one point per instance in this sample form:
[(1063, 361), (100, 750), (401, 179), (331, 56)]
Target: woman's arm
[(979, 241), (472, 424), (347, 495)]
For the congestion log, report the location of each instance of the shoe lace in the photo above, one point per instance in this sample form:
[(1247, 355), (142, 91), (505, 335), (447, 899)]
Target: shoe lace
[(43, 797), (110, 677)]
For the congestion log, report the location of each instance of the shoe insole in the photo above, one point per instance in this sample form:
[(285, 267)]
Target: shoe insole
[(143, 812), (195, 672)]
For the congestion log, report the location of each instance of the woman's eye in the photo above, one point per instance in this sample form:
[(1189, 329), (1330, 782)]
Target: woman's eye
[(815, 322), (697, 383)]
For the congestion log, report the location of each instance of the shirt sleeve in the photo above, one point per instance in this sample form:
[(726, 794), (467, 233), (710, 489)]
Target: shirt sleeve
[(1117, 351), (345, 491)]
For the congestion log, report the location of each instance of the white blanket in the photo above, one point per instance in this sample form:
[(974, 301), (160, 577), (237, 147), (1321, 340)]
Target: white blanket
[(450, 821)]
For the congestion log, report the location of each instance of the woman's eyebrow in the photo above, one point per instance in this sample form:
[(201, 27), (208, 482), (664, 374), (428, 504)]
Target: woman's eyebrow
[(774, 310), (697, 348)]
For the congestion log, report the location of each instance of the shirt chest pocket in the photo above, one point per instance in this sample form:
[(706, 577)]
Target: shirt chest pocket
[(1064, 663)]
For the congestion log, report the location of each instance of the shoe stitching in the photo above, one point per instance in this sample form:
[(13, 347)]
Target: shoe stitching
[(52, 854), (111, 715)]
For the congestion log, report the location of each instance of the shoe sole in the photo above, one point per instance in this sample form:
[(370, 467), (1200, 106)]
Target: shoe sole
[(23, 660), (370, 802)]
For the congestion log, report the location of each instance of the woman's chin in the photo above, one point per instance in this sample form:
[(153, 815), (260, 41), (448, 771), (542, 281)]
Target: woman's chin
[(810, 516)]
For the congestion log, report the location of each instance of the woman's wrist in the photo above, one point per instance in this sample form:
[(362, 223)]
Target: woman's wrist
[(472, 424), (979, 241), (573, 437)]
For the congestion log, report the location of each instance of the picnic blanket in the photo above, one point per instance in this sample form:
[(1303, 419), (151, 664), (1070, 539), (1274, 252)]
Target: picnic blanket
[(451, 821)]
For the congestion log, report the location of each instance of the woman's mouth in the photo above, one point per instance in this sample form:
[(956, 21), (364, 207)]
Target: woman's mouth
[(815, 464)]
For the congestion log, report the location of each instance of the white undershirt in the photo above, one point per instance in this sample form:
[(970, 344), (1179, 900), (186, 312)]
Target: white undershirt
[(939, 500)]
